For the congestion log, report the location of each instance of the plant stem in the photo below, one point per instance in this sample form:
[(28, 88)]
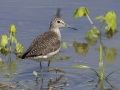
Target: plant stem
[(90, 21)]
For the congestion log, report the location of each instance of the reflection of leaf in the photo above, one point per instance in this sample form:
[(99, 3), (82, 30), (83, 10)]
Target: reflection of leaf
[(4, 40), (109, 34), (81, 11), (64, 57), (3, 66), (92, 41), (4, 51), (13, 39), (81, 48), (12, 29), (88, 67), (111, 20), (111, 54), (12, 67), (19, 48)]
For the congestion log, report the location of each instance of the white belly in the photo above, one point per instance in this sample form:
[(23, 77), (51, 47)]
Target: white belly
[(46, 57)]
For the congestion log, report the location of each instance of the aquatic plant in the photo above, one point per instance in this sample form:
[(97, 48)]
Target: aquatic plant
[(94, 34), (7, 43)]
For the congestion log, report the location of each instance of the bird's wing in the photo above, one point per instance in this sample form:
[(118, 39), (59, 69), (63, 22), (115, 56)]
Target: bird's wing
[(43, 44)]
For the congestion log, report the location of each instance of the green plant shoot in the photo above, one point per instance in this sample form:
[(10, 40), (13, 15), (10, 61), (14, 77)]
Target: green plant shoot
[(101, 64), (12, 29), (4, 41), (19, 48), (35, 74), (92, 33), (81, 11), (111, 20)]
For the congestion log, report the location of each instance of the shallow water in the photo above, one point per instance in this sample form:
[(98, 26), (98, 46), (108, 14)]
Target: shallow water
[(32, 18)]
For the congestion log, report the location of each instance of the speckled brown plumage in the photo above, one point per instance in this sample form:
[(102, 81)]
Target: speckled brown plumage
[(42, 45)]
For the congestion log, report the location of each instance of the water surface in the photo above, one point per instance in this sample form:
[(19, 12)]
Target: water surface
[(32, 19)]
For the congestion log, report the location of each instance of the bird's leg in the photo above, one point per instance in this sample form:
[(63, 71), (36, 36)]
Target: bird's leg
[(41, 70), (48, 66), (55, 69)]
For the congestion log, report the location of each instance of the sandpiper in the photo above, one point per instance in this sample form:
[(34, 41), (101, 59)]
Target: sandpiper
[(46, 45)]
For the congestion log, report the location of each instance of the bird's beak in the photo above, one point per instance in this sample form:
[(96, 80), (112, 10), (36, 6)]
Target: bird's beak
[(70, 27)]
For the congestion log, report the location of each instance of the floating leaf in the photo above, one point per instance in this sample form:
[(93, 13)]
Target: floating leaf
[(4, 41), (12, 29), (19, 48), (80, 66), (111, 54), (35, 73), (81, 11), (111, 20)]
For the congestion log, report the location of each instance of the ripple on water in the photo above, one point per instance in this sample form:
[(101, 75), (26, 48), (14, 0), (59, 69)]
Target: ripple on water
[(74, 80)]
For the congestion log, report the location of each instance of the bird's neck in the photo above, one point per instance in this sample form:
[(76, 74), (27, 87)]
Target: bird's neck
[(56, 30)]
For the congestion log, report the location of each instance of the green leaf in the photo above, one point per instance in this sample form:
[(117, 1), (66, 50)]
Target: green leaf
[(12, 29), (19, 48), (4, 40), (92, 41), (81, 11), (64, 44), (111, 20), (101, 64), (101, 17), (92, 33), (35, 73), (83, 66), (80, 66)]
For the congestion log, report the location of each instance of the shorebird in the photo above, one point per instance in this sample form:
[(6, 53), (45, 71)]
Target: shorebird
[(46, 45)]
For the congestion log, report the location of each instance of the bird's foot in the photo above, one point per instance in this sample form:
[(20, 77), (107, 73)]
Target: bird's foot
[(55, 69)]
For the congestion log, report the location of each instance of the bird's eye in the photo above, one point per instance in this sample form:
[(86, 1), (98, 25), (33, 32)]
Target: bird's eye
[(58, 21)]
